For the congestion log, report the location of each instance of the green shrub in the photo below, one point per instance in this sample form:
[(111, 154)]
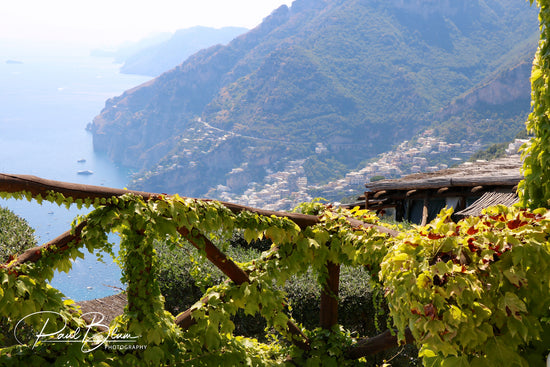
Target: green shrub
[(492, 152), (15, 235), (184, 277), (377, 178)]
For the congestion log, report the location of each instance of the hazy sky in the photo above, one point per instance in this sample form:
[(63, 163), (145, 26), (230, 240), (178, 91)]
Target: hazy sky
[(110, 22)]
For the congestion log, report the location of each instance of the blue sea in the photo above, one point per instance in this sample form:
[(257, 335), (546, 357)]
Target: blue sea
[(47, 97)]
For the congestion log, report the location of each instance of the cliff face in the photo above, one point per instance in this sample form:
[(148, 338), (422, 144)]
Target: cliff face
[(510, 86), (493, 112), (357, 76)]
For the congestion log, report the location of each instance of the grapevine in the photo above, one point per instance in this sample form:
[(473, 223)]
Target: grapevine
[(534, 190), (471, 293)]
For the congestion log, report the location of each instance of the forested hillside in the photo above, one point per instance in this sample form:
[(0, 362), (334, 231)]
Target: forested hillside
[(338, 80)]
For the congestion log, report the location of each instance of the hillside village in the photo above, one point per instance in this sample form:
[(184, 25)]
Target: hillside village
[(285, 189)]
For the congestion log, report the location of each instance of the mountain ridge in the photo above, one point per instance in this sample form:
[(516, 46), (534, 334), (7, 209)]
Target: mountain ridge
[(355, 77), (156, 59)]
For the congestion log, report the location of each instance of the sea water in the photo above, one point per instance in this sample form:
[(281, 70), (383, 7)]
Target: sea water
[(47, 97)]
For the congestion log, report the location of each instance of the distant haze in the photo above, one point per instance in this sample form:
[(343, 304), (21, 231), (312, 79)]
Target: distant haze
[(107, 23)]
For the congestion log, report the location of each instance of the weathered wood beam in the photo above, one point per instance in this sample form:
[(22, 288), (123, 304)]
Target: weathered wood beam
[(425, 210), (302, 220), (369, 346), (39, 186), (442, 190), (476, 189), (420, 193), (379, 193), (487, 181), (410, 185), (438, 182), (376, 203), (329, 297), (216, 257)]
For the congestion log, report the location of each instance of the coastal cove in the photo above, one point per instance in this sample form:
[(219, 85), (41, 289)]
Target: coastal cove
[(46, 101)]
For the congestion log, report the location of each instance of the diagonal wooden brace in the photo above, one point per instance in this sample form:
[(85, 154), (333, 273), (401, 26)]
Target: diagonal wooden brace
[(233, 272)]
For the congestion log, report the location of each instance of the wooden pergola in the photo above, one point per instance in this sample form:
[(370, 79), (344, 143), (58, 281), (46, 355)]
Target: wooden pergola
[(419, 197), (114, 305)]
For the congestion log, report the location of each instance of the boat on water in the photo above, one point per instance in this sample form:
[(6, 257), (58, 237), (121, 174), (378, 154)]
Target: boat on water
[(85, 172), (82, 160)]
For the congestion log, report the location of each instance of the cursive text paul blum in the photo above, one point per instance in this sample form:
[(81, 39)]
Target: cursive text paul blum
[(91, 337)]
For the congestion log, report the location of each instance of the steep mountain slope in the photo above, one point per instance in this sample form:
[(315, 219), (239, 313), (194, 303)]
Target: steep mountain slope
[(495, 112), (157, 59), (343, 78)]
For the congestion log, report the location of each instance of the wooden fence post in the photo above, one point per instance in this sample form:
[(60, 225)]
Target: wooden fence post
[(329, 297), (425, 210)]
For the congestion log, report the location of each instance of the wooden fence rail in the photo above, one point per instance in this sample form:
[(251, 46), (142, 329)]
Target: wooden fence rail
[(39, 186), (10, 183)]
